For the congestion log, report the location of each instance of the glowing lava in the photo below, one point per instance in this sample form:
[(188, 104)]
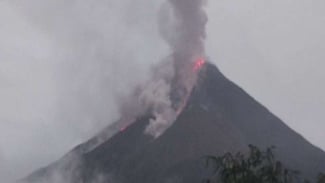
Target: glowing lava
[(123, 129), (198, 64)]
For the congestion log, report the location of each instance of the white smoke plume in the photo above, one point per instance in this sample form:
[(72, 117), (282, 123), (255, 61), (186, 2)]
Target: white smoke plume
[(182, 26), (156, 97)]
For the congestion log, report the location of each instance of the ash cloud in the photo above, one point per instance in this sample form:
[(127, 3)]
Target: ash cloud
[(64, 66), (182, 26)]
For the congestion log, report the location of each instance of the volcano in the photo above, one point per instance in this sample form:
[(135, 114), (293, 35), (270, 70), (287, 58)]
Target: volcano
[(219, 117)]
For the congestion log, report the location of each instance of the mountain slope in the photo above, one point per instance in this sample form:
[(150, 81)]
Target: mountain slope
[(219, 117)]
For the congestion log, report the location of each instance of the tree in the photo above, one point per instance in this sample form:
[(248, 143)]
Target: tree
[(257, 167)]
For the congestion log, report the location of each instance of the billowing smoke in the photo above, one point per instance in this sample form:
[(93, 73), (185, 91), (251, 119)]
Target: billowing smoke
[(64, 65), (182, 26)]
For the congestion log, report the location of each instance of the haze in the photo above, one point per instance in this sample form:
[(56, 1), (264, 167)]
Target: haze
[(65, 65)]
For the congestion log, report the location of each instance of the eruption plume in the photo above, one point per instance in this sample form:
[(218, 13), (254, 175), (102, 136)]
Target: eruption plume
[(189, 28), (182, 25), (184, 32)]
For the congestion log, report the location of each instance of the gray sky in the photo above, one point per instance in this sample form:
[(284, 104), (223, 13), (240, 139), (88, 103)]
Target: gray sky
[(64, 65), (274, 50)]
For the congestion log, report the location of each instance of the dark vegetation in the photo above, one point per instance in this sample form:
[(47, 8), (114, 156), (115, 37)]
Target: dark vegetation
[(255, 167)]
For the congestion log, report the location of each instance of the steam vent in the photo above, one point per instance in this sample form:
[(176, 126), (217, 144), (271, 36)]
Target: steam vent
[(218, 117)]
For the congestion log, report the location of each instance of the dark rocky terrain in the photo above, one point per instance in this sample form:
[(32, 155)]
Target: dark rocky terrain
[(219, 117)]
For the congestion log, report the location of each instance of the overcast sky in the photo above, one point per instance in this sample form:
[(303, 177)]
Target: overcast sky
[(65, 65)]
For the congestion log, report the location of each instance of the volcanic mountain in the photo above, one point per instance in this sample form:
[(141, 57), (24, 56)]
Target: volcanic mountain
[(219, 117)]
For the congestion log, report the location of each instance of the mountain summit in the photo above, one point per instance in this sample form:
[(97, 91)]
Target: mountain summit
[(219, 117)]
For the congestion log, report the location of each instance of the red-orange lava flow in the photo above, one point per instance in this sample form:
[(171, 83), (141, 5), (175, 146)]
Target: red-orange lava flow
[(124, 128), (198, 64)]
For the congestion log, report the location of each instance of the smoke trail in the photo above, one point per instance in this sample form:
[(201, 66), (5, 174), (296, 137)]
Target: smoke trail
[(190, 19), (182, 26)]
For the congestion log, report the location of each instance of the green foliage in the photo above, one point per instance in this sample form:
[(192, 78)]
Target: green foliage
[(257, 167)]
